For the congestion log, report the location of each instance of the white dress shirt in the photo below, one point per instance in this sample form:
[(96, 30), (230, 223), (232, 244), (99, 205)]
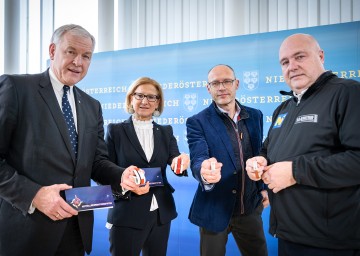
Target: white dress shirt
[(144, 132)]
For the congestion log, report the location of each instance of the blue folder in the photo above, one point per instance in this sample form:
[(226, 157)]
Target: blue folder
[(90, 198), (154, 176)]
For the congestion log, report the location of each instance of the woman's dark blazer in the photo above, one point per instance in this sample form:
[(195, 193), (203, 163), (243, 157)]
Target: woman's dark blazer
[(124, 149)]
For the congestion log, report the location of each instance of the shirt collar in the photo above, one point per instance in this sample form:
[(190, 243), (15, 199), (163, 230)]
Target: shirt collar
[(299, 95), (237, 111), (57, 85)]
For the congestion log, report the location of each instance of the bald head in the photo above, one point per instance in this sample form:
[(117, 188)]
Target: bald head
[(306, 40), (221, 68), (304, 37), (301, 60)]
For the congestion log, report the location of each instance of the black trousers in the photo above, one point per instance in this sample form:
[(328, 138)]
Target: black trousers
[(71, 243), (151, 241), (286, 248), (248, 233)]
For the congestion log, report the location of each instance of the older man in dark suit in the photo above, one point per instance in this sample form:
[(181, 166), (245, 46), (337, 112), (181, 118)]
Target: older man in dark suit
[(43, 152)]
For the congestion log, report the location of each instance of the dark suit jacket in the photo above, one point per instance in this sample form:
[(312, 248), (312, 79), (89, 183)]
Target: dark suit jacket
[(208, 137), (125, 150), (35, 151)]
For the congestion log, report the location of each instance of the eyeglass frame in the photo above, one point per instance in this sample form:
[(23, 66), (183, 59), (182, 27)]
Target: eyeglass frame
[(143, 96), (223, 83)]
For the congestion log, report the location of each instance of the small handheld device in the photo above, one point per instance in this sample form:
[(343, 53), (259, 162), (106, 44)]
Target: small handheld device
[(178, 166), (212, 166), (139, 177), (256, 169)]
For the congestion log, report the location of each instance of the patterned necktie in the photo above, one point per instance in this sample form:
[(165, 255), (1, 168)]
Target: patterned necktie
[(68, 115)]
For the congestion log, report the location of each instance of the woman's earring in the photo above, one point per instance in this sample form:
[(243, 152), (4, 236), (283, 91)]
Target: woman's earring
[(131, 110), (156, 113)]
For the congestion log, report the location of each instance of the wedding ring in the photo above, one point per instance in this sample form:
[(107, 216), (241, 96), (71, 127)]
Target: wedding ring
[(57, 215)]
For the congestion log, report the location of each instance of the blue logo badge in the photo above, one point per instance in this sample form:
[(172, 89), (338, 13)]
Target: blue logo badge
[(279, 120)]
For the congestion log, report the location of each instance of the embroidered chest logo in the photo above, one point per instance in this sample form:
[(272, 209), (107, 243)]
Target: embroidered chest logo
[(311, 118), (279, 121)]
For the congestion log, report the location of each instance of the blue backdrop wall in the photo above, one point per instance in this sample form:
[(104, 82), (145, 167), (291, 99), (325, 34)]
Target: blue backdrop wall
[(182, 70)]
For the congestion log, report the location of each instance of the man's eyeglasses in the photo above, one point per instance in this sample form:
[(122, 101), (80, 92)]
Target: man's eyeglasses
[(149, 97), (226, 83)]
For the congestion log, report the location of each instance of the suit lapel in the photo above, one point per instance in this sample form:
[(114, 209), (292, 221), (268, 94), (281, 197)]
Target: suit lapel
[(47, 93), (130, 132), (219, 126), (157, 140), (80, 115)]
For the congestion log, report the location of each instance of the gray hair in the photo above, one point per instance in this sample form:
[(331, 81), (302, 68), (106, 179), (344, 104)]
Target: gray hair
[(74, 30)]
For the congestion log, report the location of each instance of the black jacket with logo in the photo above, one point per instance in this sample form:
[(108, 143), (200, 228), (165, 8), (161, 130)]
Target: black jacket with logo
[(321, 136)]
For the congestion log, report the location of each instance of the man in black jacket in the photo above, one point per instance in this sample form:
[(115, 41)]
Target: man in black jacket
[(311, 157)]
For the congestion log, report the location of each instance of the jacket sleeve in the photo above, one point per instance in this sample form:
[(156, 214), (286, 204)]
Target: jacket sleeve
[(174, 149), (199, 150), (15, 188), (104, 171), (263, 151)]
